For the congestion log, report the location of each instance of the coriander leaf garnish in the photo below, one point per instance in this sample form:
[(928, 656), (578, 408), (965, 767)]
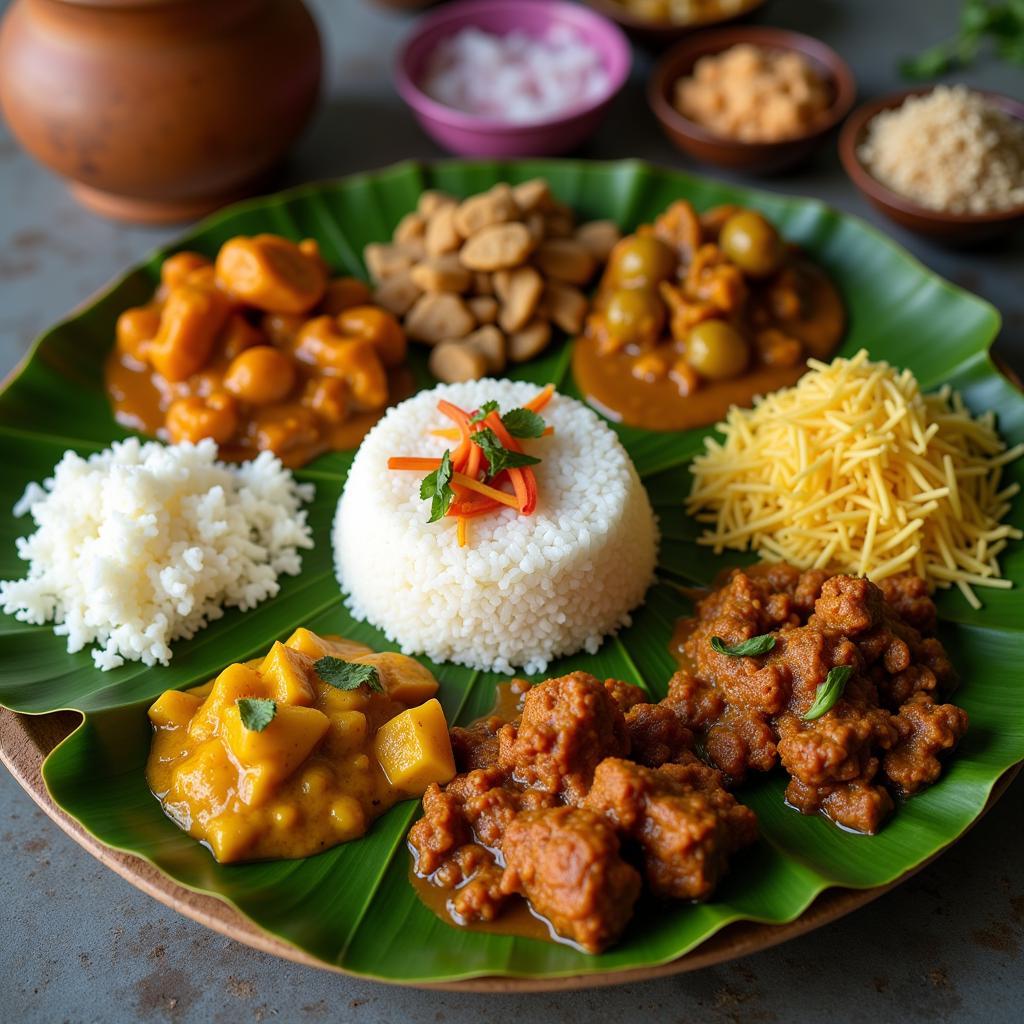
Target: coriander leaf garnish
[(829, 692), (256, 713), (498, 456), (523, 423), (347, 675), (747, 648), (436, 487), (483, 412)]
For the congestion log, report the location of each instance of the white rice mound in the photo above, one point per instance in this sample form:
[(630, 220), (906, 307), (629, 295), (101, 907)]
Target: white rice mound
[(525, 589), (144, 543)]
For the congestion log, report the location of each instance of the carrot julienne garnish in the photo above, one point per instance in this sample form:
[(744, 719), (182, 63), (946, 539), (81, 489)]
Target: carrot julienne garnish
[(465, 483), (541, 399), (454, 434)]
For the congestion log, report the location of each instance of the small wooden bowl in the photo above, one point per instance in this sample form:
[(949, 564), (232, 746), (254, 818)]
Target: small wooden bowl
[(952, 228), (656, 35), (757, 157)]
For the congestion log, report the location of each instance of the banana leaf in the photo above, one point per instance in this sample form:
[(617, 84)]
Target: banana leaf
[(353, 906)]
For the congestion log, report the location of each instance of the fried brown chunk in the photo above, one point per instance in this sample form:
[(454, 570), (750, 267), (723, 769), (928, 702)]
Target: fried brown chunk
[(569, 724), (686, 823), (837, 747), (925, 731), (859, 805), (477, 745), (849, 605), (626, 695), (566, 862), (739, 740), (656, 734), (908, 597), (441, 830)]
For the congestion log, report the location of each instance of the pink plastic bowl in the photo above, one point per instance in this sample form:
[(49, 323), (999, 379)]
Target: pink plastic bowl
[(471, 135)]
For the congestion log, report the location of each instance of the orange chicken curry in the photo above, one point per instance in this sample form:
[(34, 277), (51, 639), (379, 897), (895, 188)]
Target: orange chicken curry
[(289, 755), (696, 313), (260, 350)]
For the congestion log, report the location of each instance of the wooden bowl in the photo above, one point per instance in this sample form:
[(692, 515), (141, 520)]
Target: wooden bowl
[(656, 35), (952, 228), (757, 157)]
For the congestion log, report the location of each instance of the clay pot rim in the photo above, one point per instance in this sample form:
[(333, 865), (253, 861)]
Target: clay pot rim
[(125, 3)]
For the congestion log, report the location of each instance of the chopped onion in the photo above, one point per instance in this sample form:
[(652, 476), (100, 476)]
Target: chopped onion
[(515, 77)]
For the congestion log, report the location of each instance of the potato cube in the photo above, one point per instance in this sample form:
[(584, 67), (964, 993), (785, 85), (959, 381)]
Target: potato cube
[(230, 838), (404, 679), (308, 642), (414, 749), (234, 682), (288, 672), (334, 701), (173, 709), (348, 730), (270, 756)]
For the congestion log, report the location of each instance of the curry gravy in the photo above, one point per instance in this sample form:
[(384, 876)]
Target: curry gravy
[(140, 399), (606, 379)]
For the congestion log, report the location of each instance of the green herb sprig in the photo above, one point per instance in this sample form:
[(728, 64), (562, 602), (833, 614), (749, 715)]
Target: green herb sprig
[(256, 713), (347, 675), (828, 692), (498, 456), (483, 412), (746, 648), (436, 488), (1002, 23), (524, 423), (518, 422)]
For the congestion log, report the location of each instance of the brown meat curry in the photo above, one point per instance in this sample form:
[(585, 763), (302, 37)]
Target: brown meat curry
[(579, 795)]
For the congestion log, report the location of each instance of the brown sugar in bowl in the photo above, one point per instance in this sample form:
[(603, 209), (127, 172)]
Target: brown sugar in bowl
[(756, 157), (158, 110), (941, 225)]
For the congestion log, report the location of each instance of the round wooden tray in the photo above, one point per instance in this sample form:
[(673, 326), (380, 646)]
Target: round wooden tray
[(25, 740)]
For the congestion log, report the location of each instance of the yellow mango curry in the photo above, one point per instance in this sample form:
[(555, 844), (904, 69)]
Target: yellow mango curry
[(289, 755)]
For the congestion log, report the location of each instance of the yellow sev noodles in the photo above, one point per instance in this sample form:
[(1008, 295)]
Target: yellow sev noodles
[(854, 470)]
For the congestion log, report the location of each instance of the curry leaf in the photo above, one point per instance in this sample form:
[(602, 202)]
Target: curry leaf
[(498, 456), (347, 675), (746, 648), (256, 712), (483, 412), (523, 423), (828, 692), (436, 487)]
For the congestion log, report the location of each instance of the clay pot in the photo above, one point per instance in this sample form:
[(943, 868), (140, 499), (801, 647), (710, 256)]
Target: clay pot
[(158, 110)]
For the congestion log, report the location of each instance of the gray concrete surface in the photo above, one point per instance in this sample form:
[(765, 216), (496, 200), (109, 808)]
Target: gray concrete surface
[(78, 944)]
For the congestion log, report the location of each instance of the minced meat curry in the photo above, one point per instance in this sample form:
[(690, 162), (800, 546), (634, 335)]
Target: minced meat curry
[(884, 732), (552, 808), (584, 793)]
